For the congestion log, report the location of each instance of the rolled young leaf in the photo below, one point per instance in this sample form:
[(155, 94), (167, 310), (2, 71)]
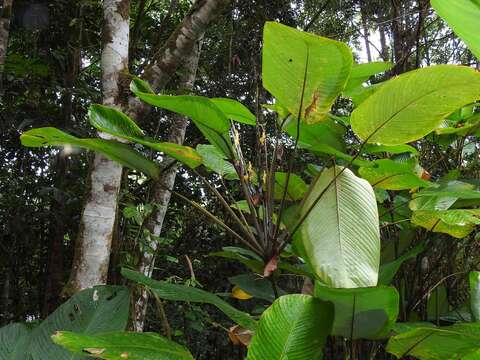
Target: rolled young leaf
[(294, 327), (413, 104)]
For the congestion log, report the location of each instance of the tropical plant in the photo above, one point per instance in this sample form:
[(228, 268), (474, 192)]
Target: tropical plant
[(324, 226)]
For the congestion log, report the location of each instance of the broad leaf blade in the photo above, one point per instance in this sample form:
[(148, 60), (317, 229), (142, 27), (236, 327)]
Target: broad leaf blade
[(462, 16), (362, 313), (113, 150), (295, 327), (291, 63), (91, 311), (391, 175), (457, 223), (209, 119), (431, 343), (235, 110), (14, 338), (122, 345), (176, 292), (116, 123), (413, 104), (341, 234)]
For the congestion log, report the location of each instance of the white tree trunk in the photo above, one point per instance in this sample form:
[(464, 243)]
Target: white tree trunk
[(161, 196), (94, 241), (5, 17)]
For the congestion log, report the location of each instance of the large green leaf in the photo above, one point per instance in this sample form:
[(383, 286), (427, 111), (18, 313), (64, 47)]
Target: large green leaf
[(91, 311), (430, 343), (13, 340), (303, 71), (393, 149), (313, 136), (362, 313), (392, 175), (413, 104), (341, 234), (114, 150), (462, 16), (457, 223), (296, 188), (295, 327), (216, 161), (210, 120), (235, 110), (176, 292), (362, 72), (444, 195), (474, 280), (122, 345), (116, 123), (388, 270)]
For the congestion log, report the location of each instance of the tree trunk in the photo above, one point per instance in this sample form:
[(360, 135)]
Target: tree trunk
[(366, 39), (93, 245), (5, 17), (54, 274), (177, 48), (161, 196)]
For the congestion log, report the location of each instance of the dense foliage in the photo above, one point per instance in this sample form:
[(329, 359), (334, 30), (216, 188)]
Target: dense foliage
[(330, 212)]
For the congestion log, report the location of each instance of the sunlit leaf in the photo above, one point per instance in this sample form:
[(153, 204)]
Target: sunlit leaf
[(462, 16), (413, 104), (291, 63), (114, 150), (295, 327), (122, 345)]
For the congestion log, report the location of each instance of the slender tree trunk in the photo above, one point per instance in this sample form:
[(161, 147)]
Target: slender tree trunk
[(363, 13), (54, 274), (161, 196), (93, 245), (5, 17)]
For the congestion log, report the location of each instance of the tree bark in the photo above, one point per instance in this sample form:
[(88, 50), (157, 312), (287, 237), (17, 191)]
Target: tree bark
[(160, 195), (177, 48), (5, 17), (93, 245), (366, 39)]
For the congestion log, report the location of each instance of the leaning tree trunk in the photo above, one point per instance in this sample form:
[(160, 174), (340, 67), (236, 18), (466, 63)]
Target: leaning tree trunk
[(93, 245), (176, 49), (5, 17), (161, 196)]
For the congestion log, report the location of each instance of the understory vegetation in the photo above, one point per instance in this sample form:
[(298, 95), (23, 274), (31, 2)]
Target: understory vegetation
[(262, 180)]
